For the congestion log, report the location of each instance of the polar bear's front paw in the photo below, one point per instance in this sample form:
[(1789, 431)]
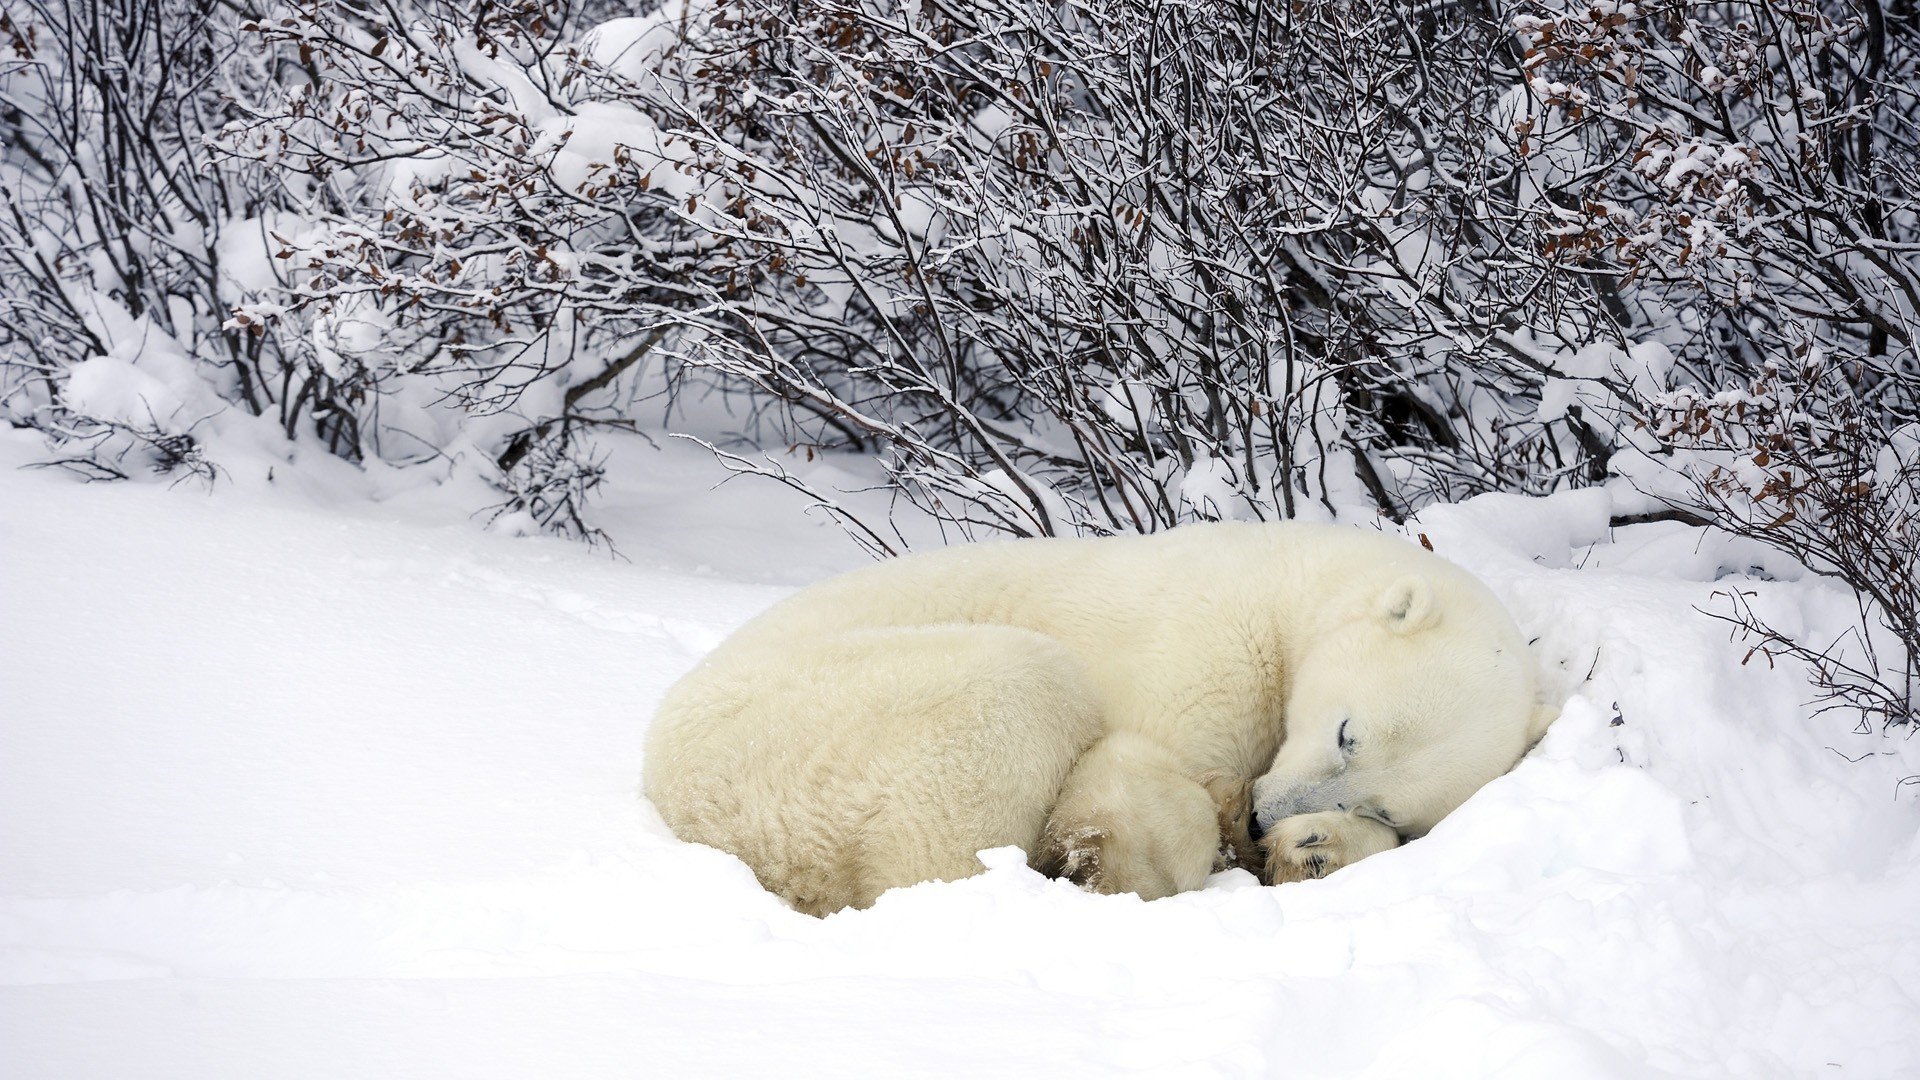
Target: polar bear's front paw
[(1315, 845)]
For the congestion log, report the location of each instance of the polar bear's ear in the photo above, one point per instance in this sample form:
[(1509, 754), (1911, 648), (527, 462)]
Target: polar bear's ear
[(1408, 605)]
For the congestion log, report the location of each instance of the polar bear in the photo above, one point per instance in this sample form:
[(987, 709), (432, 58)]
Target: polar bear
[(1102, 703)]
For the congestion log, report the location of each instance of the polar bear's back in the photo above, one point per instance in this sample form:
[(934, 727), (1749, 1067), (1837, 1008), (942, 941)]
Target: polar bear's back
[(846, 764), (1163, 623), (1057, 586)]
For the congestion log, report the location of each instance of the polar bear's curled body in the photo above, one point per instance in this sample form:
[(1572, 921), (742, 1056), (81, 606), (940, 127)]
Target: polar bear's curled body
[(1074, 697)]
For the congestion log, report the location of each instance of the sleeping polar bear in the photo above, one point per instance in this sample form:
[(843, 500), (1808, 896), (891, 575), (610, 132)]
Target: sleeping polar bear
[(1100, 703)]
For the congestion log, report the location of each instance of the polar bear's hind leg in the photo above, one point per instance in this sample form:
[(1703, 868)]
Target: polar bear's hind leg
[(842, 767), (1129, 821), (984, 757)]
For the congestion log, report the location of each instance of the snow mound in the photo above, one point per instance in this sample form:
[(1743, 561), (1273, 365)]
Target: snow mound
[(300, 793), (114, 390)]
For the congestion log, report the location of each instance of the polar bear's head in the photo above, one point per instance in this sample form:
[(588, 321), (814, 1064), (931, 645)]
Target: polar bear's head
[(1404, 711)]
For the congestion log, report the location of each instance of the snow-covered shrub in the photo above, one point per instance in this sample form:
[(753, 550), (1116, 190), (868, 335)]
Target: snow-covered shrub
[(1804, 467), (1107, 266), (125, 244), (1101, 268), (474, 250), (1123, 264), (1756, 215)]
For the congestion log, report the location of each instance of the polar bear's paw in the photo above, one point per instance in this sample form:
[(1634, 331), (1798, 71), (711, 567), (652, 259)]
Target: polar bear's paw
[(1233, 802), (1314, 845), (1073, 854)]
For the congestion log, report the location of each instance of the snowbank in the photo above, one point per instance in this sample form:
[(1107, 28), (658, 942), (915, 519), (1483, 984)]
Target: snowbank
[(291, 791)]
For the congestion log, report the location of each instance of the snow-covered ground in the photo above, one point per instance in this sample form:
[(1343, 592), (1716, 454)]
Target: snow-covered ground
[(295, 789)]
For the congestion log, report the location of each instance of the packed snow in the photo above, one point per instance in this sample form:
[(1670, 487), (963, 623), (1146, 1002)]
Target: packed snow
[(300, 786)]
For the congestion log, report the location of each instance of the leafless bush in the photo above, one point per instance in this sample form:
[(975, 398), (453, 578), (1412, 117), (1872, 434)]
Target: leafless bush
[(1125, 264), (1805, 468), (551, 480), (455, 243), (118, 230), (1107, 266), (1763, 221)]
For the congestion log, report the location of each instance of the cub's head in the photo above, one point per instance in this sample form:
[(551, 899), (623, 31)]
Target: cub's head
[(1405, 710)]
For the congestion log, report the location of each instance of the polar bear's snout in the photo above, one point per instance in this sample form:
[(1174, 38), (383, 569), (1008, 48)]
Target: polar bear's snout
[(1276, 803)]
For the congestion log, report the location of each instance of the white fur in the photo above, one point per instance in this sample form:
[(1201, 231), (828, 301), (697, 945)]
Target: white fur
[(879, 728)]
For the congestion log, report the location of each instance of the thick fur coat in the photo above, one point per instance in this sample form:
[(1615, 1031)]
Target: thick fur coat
[(1101, 703)]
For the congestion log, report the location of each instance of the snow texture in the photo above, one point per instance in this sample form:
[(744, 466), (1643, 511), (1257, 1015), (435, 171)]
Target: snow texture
[(300, 790)]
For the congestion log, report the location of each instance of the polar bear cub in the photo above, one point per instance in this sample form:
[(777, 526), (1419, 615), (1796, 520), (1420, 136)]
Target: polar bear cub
[(1103, 704)]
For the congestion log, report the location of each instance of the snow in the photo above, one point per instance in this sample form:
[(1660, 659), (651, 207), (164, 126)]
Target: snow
[(292, 785), (637, 48), (112, 389), (1208, 488)]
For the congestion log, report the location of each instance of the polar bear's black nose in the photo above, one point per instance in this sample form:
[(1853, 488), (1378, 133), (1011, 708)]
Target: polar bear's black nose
[(1253, 827)]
